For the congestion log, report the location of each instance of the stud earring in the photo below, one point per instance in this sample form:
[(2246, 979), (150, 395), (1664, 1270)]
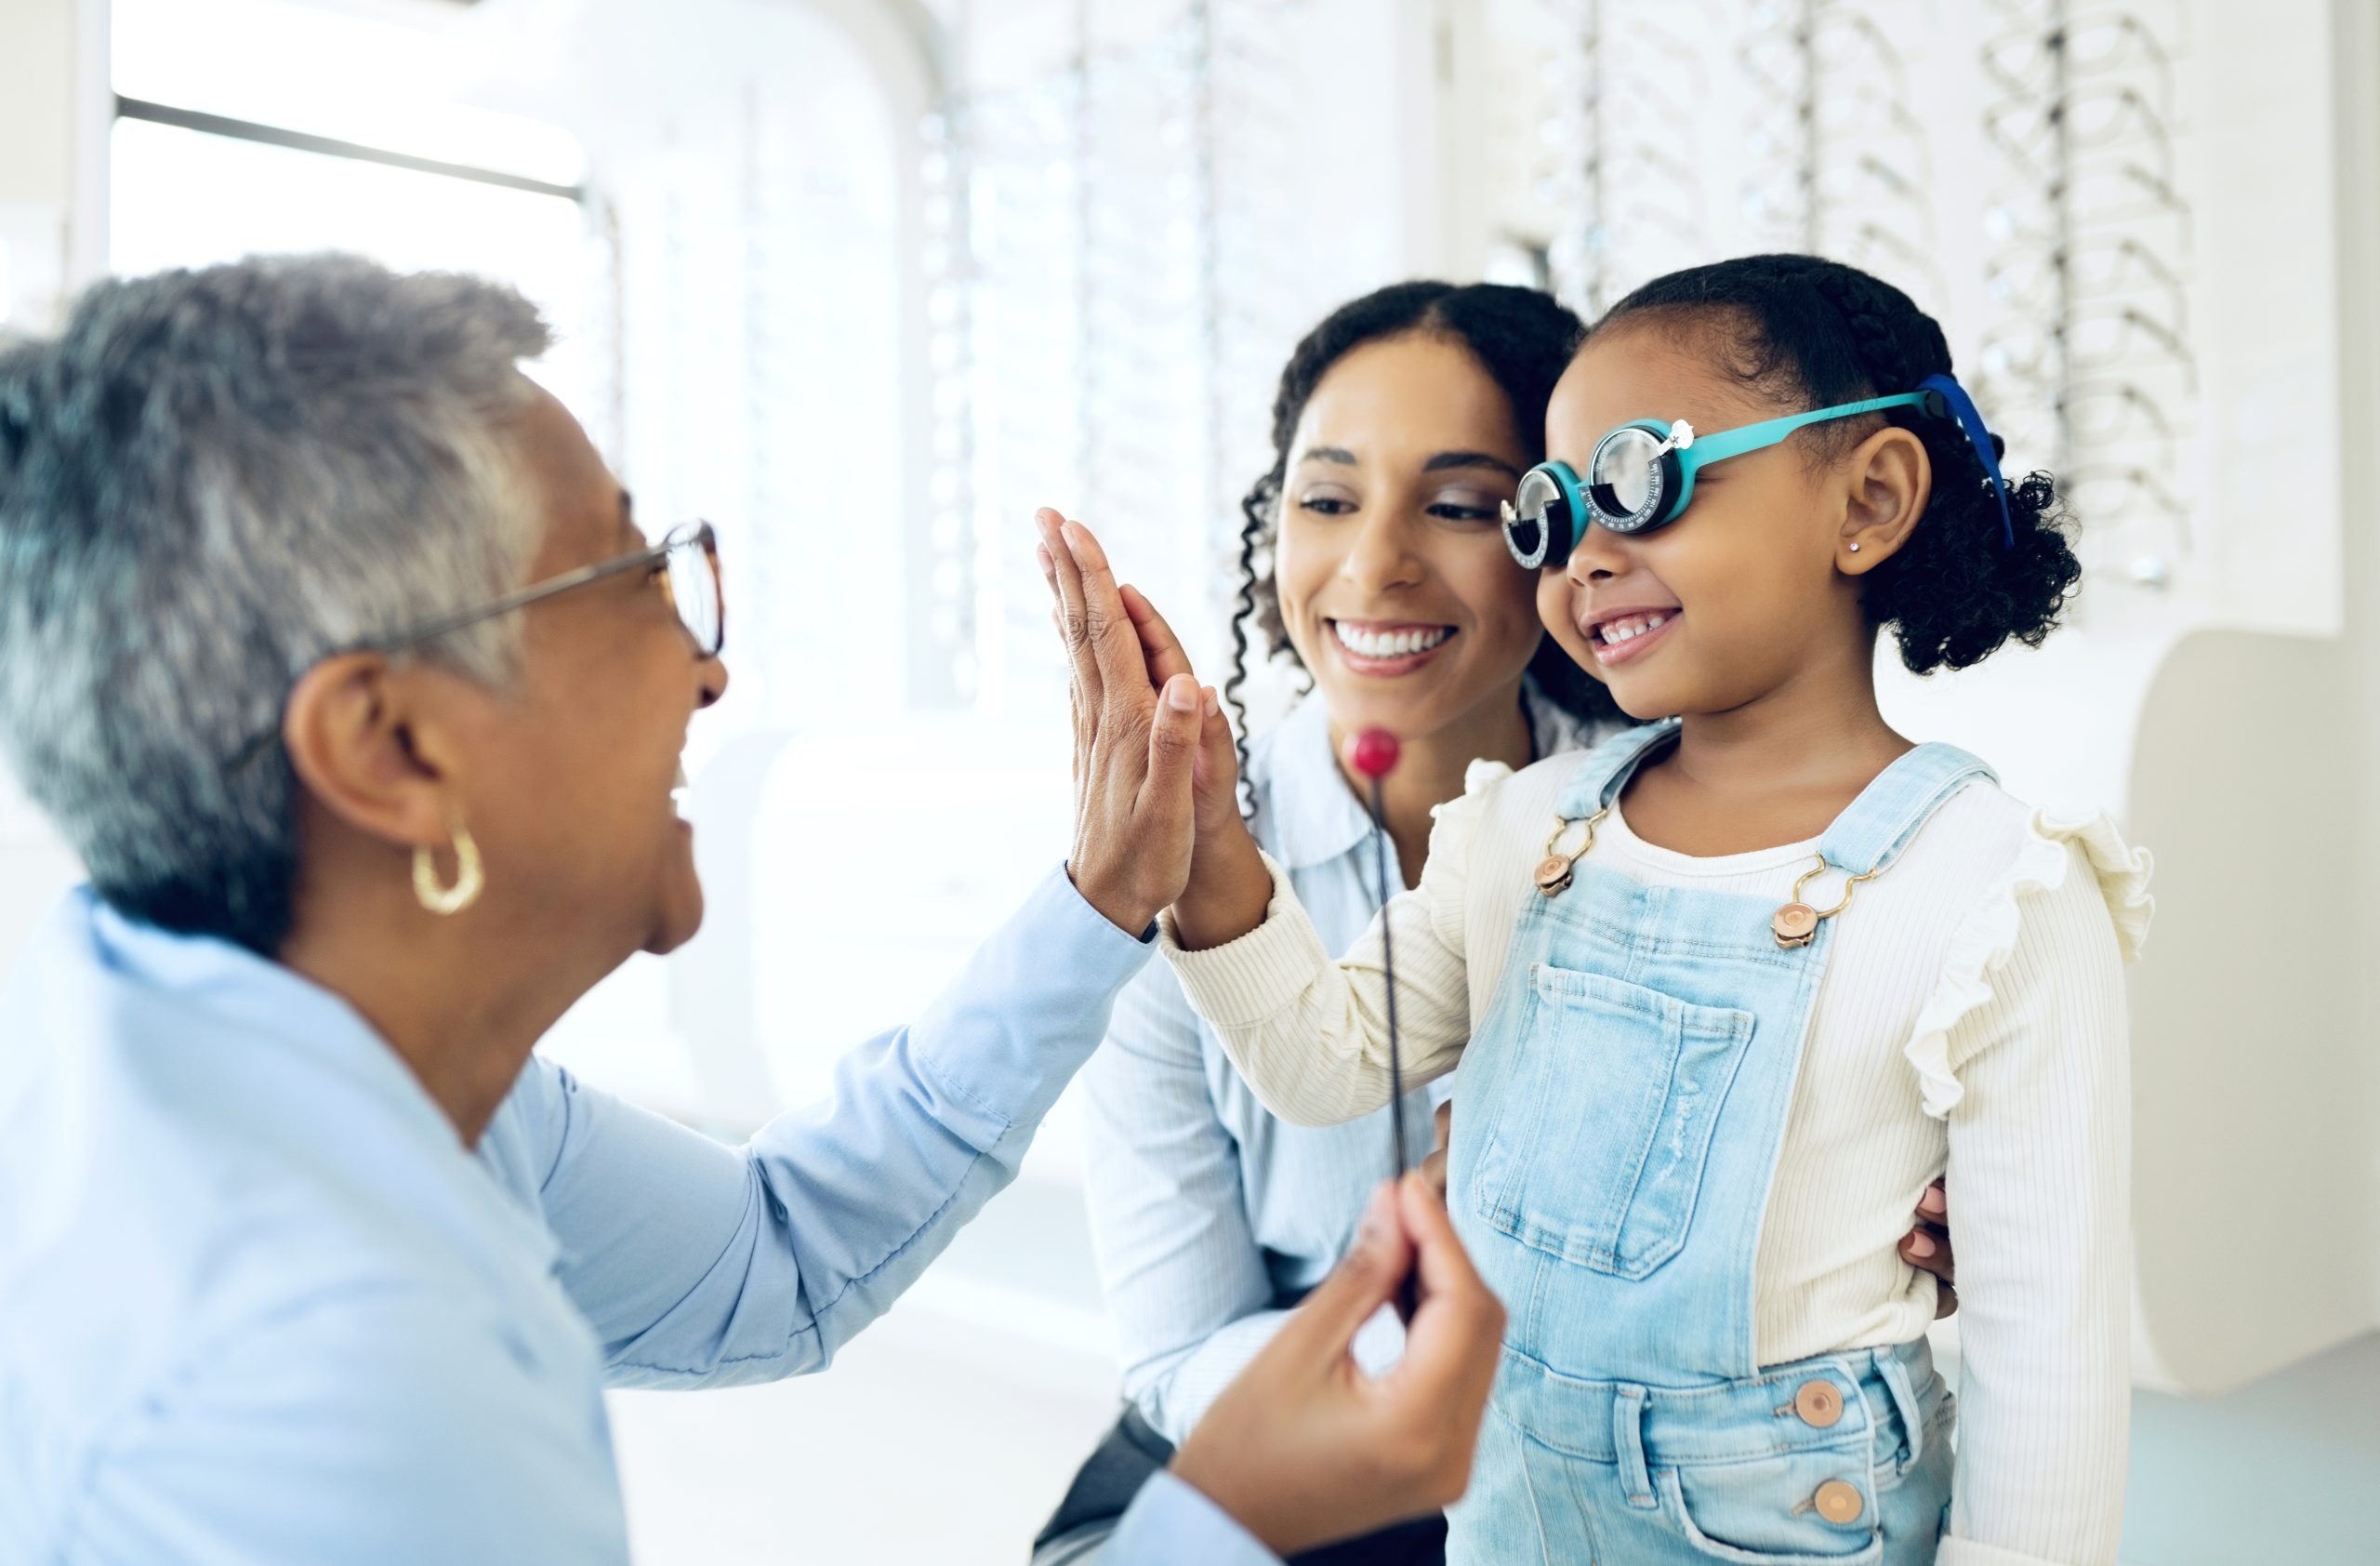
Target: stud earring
[(471, 880), (1854, 548)]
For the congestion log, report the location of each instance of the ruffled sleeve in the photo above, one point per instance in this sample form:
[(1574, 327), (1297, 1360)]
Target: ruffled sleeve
[(2052, 850), (1477, 779)]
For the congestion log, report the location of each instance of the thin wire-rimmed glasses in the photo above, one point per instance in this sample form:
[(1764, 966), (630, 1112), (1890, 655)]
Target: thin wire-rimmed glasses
[(685, 564)]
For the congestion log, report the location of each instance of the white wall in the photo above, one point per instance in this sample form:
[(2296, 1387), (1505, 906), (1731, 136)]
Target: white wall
[(51, 55), (2280, 1101), (2252, 775), (38, 126)]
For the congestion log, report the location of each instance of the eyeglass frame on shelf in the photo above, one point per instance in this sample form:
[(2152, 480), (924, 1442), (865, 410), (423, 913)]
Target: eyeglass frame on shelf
[(2021, 130), (2033, 41), (2074, 214), (2125, 320), (2092, 392), (2088, 277), (2077, 485)]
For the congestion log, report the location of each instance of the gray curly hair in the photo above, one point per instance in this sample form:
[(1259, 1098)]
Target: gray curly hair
[(208, 480)]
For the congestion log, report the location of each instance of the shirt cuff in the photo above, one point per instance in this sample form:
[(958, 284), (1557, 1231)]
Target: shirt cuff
[(1060, 901), (1171, 1524), (1242, 983), (1967, 1552)]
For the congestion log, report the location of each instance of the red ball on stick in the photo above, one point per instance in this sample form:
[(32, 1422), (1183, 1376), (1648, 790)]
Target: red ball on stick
[(1374, 752)]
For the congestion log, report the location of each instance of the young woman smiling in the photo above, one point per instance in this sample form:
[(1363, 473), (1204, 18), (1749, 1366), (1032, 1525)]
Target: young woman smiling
[(1372, 558), (1366, 556)]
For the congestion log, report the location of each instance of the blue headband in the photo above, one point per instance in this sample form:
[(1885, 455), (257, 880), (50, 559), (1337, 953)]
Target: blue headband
[(1947, 398)]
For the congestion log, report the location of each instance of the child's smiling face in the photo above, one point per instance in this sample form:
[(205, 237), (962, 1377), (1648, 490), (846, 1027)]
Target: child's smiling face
[(1755, 584)]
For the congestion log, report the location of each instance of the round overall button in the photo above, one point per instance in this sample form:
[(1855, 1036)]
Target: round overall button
[(1838, 1502), (1820, 1404)]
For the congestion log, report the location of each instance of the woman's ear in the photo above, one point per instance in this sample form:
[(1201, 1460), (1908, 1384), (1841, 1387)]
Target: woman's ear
[(1890, 480), (359, 743)]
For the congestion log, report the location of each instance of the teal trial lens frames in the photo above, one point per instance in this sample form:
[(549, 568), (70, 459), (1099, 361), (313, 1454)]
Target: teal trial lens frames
[(1641, 475), (1541, 521), (1628, 478)]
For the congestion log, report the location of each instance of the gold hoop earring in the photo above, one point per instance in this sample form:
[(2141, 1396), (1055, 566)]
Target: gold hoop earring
[(471, 880)]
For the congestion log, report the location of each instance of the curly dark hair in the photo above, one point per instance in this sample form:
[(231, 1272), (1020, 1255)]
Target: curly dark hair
[(1522, 337), (1810, 332)]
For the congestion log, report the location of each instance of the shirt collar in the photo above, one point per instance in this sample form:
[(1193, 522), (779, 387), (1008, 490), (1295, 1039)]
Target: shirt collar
[(230, 988), (218, 990), (1315, 815)]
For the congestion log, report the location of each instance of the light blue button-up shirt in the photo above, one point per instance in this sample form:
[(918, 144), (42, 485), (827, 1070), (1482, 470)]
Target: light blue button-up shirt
[(1212, 1217), (260, 1305)]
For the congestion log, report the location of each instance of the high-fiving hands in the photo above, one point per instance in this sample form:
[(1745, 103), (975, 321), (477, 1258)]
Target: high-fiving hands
[(1150, 743), (1302, 1448), (1155, 775)]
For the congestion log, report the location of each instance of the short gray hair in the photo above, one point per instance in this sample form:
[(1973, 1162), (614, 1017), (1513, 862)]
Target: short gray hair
[(208, 480)]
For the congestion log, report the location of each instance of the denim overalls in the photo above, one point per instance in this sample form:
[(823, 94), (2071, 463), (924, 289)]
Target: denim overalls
[(1621, 1111)]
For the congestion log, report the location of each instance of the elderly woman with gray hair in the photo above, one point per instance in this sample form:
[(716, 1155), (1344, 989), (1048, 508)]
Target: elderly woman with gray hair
[(330, 645)]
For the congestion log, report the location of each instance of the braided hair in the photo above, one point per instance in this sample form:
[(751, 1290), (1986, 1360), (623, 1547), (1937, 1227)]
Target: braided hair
[(1522, 337), (1812, 333)]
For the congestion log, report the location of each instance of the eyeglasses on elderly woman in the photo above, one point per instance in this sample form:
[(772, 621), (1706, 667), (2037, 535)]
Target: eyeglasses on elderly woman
[(684, 565)]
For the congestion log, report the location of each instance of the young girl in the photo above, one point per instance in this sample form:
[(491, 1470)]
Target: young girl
[(1731, 988)]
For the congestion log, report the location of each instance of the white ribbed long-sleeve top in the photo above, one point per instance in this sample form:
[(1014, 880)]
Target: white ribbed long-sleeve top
[(1971, 1019)]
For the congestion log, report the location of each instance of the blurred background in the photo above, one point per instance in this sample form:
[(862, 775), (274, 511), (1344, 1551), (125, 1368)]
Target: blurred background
[(865, 281)]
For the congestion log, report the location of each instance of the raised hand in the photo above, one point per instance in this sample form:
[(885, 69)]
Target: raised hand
[(1141, 723), (1215, 774)]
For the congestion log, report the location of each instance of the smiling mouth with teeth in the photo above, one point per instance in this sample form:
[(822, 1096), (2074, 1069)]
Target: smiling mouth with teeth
[(1389, 643), (1620, 632)]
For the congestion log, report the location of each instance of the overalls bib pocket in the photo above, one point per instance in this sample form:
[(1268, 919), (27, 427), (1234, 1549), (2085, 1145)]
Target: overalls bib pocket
[(1596, 1152)]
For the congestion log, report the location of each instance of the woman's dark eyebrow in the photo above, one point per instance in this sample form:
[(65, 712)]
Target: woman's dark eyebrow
[(1445, 459), (1338, 454)]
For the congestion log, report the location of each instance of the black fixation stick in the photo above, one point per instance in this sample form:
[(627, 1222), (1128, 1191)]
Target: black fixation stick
[(1374, 754), (1388, 966)]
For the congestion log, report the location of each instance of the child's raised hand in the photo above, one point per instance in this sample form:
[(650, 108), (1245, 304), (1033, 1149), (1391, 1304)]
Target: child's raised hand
[(1215, 774)]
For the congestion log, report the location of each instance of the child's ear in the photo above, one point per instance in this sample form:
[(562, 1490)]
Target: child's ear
[(1890, 480)]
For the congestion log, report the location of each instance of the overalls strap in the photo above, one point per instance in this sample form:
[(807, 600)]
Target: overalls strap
[(1885, 819), (1609, 765)]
